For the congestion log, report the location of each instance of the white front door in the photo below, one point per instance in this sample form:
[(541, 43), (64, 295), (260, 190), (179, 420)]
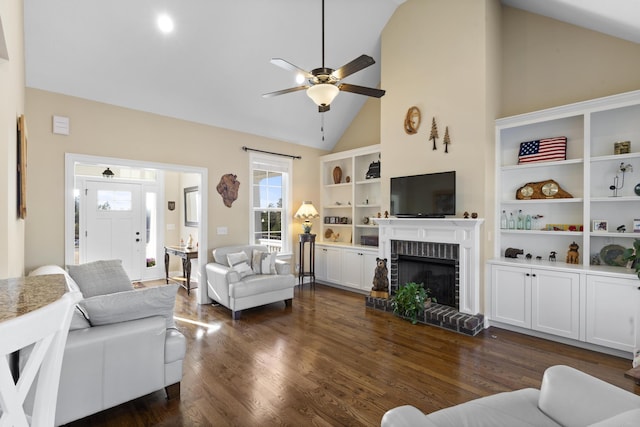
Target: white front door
[(114, 225)]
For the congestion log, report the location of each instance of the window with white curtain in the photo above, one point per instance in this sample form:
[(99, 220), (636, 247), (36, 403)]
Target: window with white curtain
[(270, 201)]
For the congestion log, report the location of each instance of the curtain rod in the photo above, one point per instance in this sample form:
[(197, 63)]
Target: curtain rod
[(271, 152)]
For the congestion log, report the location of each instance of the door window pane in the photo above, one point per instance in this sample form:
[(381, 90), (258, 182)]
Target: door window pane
[(151, 225), (114, 200)]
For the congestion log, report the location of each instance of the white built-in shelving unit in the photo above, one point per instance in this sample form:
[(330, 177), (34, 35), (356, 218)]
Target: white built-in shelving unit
[(344, 205), (590, 303)]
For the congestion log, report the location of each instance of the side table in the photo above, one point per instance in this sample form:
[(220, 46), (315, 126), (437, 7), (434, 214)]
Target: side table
[(187, 254), (311, 239)]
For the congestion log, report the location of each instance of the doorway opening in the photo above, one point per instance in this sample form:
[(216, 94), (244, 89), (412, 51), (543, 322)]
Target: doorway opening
[(128, 216)]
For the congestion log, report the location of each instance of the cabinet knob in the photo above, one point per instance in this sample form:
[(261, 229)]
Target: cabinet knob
[(527, 274), (533, 275)]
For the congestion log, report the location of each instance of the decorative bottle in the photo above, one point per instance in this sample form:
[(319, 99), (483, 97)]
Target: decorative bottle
[(527, 222), (520, 223), (503, 220), (512, 222)]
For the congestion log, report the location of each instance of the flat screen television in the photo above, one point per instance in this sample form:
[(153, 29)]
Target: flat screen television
[(431, 195)]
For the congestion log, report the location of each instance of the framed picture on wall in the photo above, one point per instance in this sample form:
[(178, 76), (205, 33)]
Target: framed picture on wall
[(22, 168), (191, 202)]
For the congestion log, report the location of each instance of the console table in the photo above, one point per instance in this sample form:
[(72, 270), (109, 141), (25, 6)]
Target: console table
[(187, 254), (311, 239)]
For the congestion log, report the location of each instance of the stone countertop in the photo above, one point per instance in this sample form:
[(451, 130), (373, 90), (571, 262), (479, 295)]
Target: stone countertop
[(22, 295)]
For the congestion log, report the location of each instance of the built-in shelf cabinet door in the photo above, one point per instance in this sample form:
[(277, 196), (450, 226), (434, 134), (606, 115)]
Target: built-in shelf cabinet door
[(612, 312), (511, 295), (328, 263), (555, 303)]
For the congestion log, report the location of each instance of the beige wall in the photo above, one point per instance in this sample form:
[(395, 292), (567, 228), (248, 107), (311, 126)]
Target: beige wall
[(547, 63), (436, 56), (364, 129), (11, 106), (465, 63), (105, 130), (443, 57)]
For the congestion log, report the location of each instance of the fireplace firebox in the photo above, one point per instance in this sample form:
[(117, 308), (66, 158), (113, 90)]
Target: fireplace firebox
[(436, 274)]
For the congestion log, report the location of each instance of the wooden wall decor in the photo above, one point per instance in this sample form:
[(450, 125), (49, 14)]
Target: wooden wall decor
[(434, 133), (447, 140), (228, 188), (412, 121), (22, 168)]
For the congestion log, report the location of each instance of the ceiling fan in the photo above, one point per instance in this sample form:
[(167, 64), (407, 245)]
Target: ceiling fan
[(324, 83)]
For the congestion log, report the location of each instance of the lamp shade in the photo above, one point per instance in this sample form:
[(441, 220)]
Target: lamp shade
[(323, 93), (306, 212)]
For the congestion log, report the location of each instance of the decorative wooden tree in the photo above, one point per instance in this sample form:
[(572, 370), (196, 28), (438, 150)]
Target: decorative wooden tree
[(446, 141), (434, 132)]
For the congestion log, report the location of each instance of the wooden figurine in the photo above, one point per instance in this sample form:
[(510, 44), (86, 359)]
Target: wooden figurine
[(572, 255), (380, 279), (513, 252)]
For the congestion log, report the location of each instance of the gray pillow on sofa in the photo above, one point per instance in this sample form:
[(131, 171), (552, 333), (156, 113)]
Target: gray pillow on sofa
[(239, 263), (263, 262), (130, 305), (78, 319), (100, 277)]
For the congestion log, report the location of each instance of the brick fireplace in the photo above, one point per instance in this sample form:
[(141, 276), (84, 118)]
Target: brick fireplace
[(436, 265), (441, 242)]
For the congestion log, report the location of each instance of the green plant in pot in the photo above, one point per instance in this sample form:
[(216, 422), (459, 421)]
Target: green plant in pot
[(633, 255), (410, 300)]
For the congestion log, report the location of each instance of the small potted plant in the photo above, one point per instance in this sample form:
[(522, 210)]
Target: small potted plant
[(410, 300), (633, 255)]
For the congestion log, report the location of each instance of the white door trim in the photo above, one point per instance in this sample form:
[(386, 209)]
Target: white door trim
[(70, 159)]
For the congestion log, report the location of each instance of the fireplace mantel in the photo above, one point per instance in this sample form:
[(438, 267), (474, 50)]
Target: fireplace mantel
[(463, 232)]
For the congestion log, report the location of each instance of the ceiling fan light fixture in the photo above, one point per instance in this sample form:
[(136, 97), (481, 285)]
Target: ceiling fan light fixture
[(323, 94)]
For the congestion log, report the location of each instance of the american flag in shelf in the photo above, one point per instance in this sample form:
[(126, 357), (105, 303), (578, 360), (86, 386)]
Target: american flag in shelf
[(543, 150)]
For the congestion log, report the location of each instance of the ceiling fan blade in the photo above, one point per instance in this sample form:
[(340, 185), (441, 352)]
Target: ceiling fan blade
[(283, 91), (290, 67), (361, 62), (361, 90)]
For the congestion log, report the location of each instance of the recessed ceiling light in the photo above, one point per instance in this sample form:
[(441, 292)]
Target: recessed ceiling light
[(165, 23), (299, 78)]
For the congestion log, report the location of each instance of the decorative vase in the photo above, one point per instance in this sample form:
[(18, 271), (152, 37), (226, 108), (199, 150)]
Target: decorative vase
[(337, 175)]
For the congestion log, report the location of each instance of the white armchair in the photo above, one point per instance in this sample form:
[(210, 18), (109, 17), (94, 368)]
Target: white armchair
[(263, 280)]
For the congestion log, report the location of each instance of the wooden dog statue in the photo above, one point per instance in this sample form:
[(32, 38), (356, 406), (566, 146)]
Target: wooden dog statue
[(573, 256)]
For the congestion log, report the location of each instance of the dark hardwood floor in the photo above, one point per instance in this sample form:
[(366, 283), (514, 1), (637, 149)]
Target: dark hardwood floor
[(329, 361)]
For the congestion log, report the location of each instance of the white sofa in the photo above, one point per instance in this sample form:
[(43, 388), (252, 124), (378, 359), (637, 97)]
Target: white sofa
[(567, 397), (104, 366), (237, 293)]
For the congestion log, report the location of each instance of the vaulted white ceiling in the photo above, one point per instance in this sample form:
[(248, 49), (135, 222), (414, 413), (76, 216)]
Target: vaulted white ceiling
[(214, 67)]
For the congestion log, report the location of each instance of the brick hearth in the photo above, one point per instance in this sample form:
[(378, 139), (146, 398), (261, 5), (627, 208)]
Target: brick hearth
[(439, 315)]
